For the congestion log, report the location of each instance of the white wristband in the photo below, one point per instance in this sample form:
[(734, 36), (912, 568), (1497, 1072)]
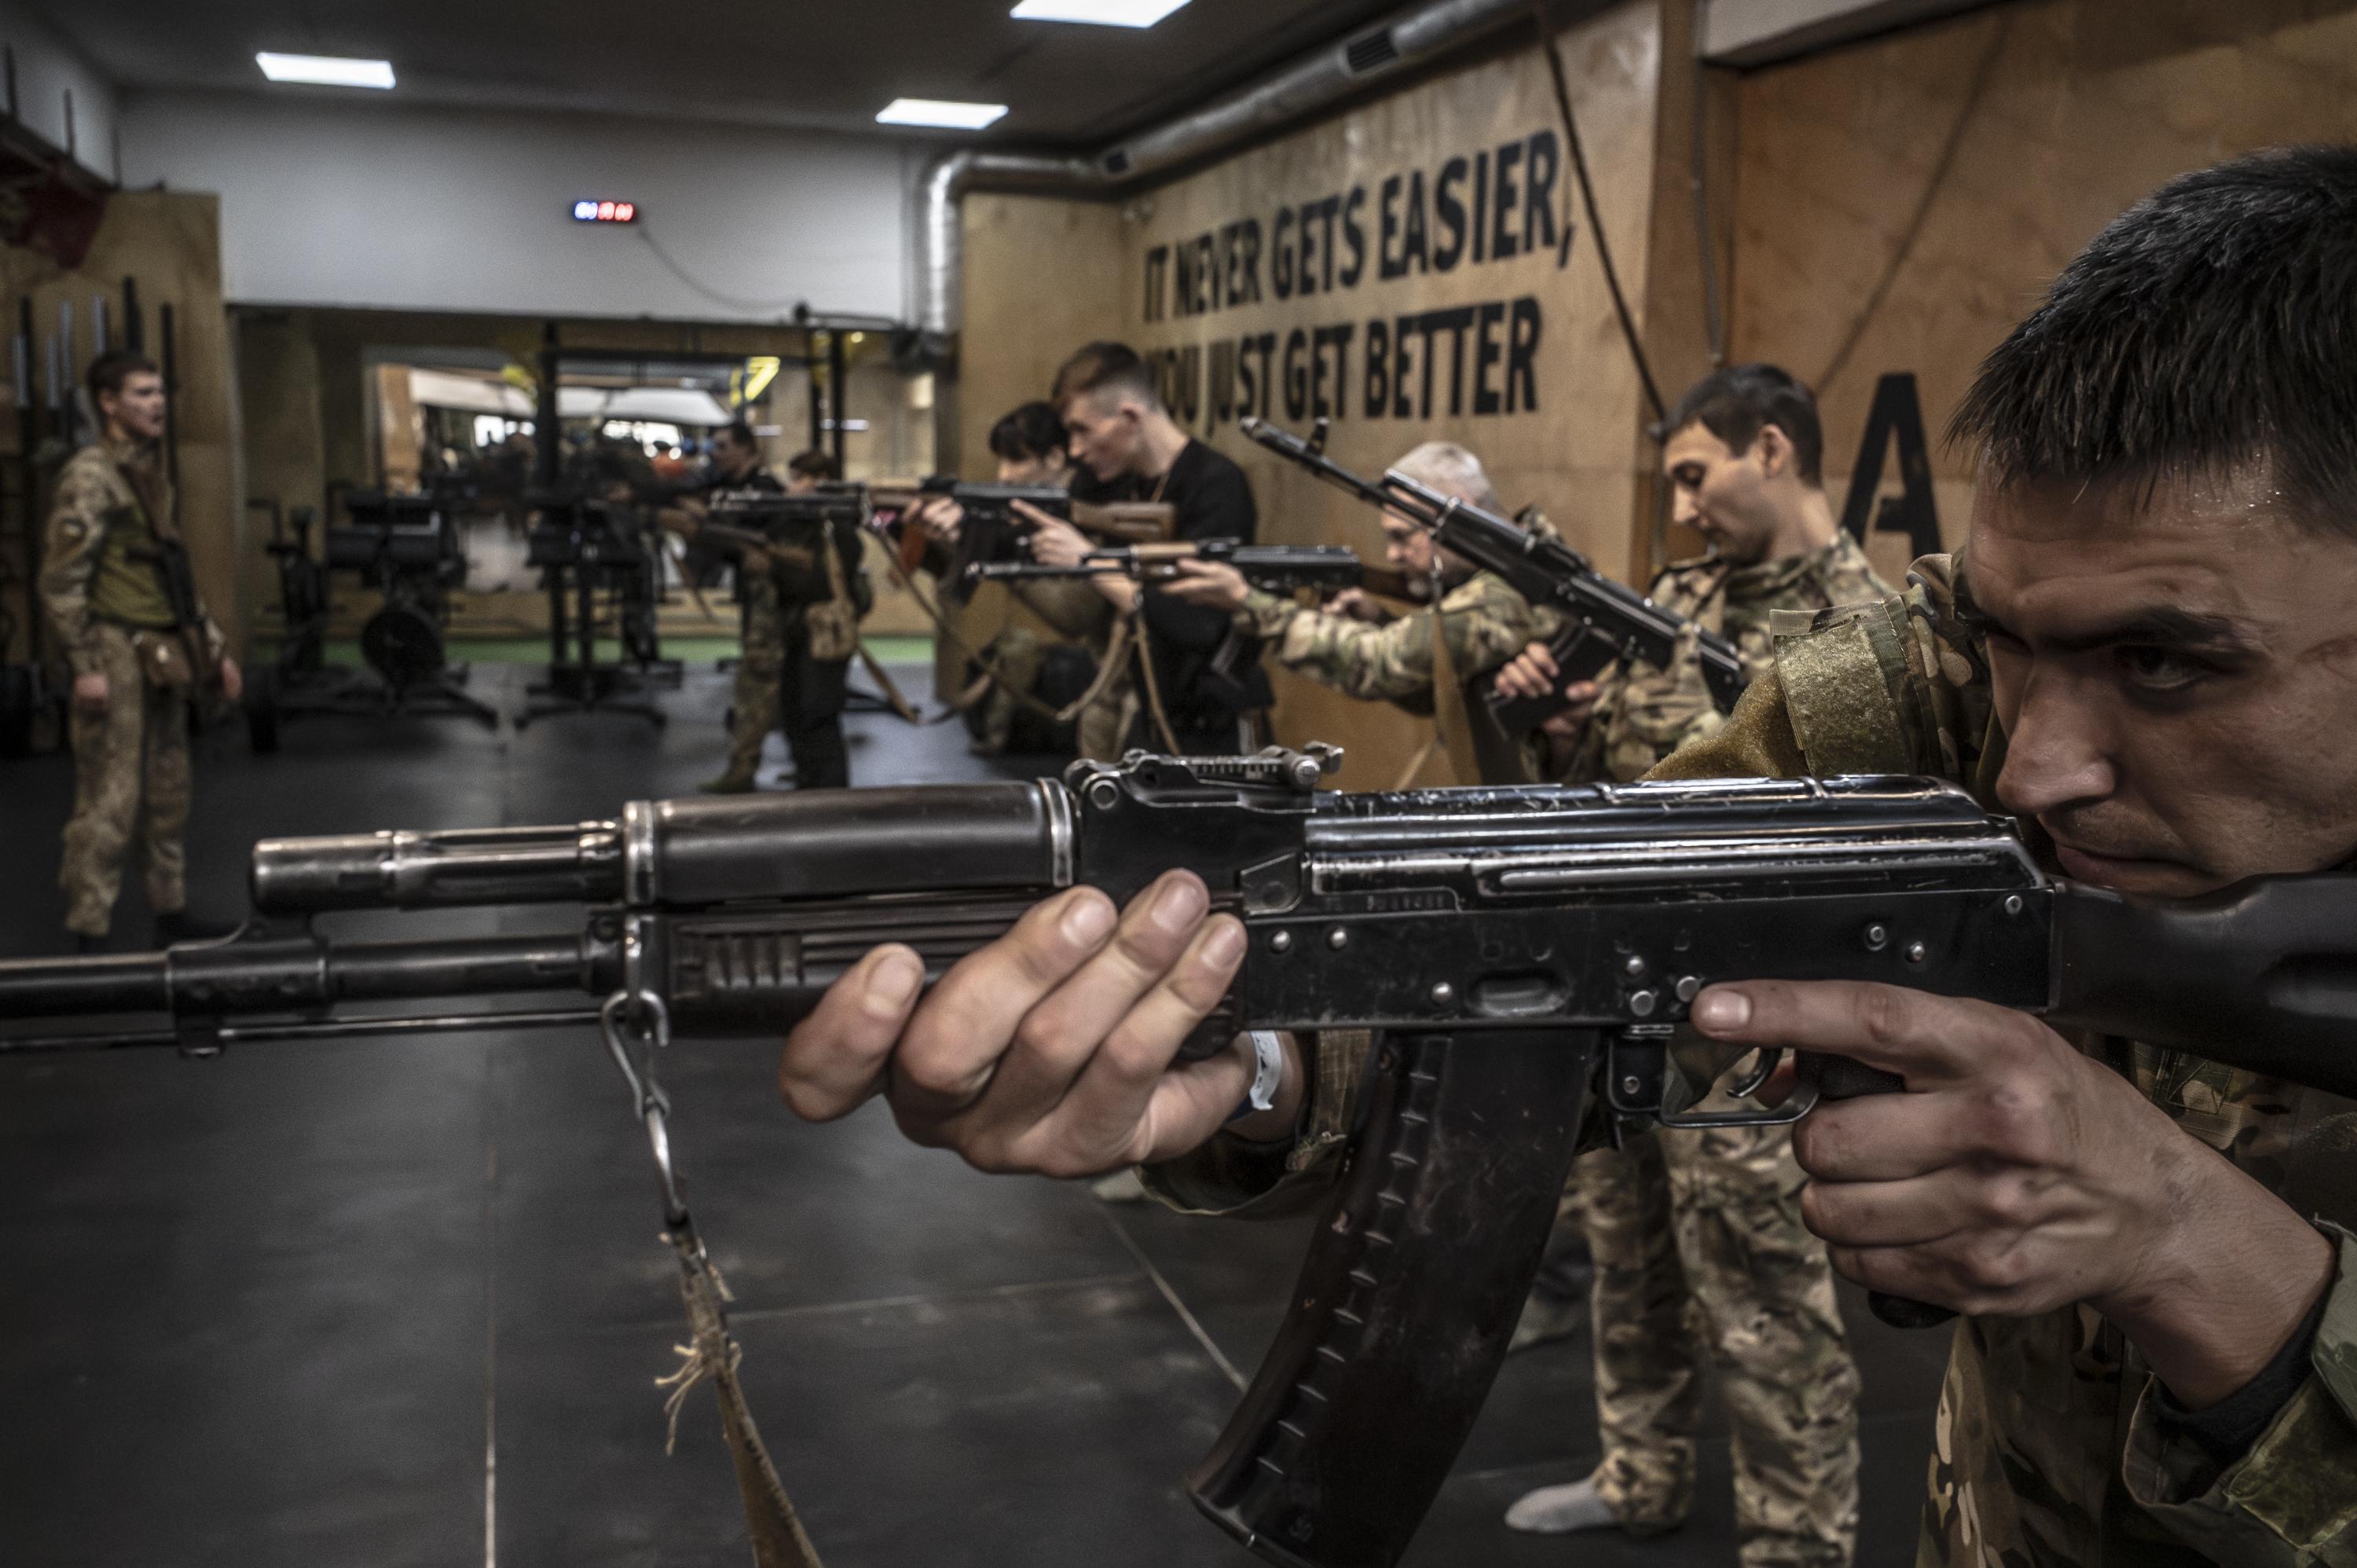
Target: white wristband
[(1268, 1072)]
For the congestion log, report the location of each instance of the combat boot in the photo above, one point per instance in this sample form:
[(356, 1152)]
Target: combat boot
[(736, 781)]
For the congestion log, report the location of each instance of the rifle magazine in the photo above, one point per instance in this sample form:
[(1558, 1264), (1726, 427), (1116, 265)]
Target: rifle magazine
[(1401, 1320)]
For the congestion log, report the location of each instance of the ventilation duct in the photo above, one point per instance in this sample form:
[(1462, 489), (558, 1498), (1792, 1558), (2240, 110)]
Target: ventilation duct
[(1293, 93)]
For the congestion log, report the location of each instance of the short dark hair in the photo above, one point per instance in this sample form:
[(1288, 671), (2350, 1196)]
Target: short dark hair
[(1034, 430), (2206, 330), (1736, 403), (111, 370), (740, 432), (814, 464), (1101, 367)]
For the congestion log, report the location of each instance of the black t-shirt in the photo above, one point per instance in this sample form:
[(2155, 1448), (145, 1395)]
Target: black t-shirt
[(1202, 692)]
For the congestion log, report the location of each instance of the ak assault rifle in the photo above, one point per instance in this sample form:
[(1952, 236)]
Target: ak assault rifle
[(1604, 623), (1280, 568), (998, 530), (786, 529), (1518, 949), (992, 532)]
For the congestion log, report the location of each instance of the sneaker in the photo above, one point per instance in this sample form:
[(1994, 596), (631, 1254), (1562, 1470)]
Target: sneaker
[(729, 783), (1547, 1318), (1122, 1186)]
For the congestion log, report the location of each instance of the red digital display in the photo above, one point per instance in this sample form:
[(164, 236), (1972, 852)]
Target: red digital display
[(589, 211)]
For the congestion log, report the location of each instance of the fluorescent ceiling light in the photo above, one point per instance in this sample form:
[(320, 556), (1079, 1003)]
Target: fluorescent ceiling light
[(1102, 13), (328, 70), (935, 112)]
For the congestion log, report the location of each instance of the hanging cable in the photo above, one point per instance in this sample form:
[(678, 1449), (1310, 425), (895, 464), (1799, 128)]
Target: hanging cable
[(730, 301), (1713, 315), (1982, 76), (1595, 224)]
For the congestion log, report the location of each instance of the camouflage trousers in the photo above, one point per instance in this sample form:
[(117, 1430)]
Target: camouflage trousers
[(1701, 1258), (131, 775), (778, 684)]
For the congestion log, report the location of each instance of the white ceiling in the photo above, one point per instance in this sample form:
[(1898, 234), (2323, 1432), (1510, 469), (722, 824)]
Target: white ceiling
[(813, 63)]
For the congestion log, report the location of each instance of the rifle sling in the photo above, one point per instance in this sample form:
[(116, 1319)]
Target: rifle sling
[(1478, 752), (989, 666), (712, 1354)]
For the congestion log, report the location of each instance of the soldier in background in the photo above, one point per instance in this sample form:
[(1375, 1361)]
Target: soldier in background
[(800, 631), (141, 650), (1693, 1228), (1029, 443), (1357, 646), (1199, 686)]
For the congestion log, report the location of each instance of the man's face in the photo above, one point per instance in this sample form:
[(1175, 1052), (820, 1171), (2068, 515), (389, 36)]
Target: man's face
[(2176, 675), (1723, 494), (799, 483), (1045, 468), (1407, 547), (733, 458), (1104, 431), (137, 408)]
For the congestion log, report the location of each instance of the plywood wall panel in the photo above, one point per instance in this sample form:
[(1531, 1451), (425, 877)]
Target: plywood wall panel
[(1206, 272), (2084, 106)]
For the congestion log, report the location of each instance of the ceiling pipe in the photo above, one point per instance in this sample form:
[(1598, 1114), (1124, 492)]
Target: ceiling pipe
[(1325, 76)]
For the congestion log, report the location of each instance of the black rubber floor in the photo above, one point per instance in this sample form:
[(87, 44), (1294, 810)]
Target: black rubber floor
[(364, 1303)]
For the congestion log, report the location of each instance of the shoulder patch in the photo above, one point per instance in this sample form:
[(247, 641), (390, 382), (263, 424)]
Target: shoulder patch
[(1837, 666)]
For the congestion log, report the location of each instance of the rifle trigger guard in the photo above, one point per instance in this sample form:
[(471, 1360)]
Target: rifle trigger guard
[(1636, 1069)]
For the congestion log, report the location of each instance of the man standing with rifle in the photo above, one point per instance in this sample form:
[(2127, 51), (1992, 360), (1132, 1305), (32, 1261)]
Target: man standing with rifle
[(117, 586), (1356, 646), (1199, 687), (800, 626), (2147, 659), (1710, 1220)]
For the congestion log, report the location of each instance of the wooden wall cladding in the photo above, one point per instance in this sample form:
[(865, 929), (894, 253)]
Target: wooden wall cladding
[(2016, 134), (1415, 268)]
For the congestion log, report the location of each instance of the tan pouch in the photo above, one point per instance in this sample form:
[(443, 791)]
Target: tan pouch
[(163, 661), (834, 626)]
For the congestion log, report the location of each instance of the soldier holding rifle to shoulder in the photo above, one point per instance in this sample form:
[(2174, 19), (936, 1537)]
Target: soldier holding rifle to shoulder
[(1710, 1220), (2143, 651), (1353, 644)]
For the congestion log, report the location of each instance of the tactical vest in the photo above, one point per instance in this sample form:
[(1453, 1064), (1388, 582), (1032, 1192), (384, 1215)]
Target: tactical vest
[(127, 586)]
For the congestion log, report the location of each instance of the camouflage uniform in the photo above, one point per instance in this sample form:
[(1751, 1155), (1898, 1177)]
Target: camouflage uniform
[(1700, 1253), (1485, 622), (111, 617), (2048, 1451), (1643, 715), (801, 633), (2048, 1448)]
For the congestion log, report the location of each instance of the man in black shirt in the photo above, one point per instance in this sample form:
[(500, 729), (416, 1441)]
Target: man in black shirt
[(1199, 687)]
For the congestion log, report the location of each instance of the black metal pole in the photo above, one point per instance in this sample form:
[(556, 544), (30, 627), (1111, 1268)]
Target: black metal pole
[(834, 389), (817, 393), (134, 331), (171, 363), (29, 477), (548, 438)]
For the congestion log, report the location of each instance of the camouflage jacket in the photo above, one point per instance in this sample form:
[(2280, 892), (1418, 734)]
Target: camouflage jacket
[(102, 483), (2047, 1449), (1645, 712), (1485, 622)]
